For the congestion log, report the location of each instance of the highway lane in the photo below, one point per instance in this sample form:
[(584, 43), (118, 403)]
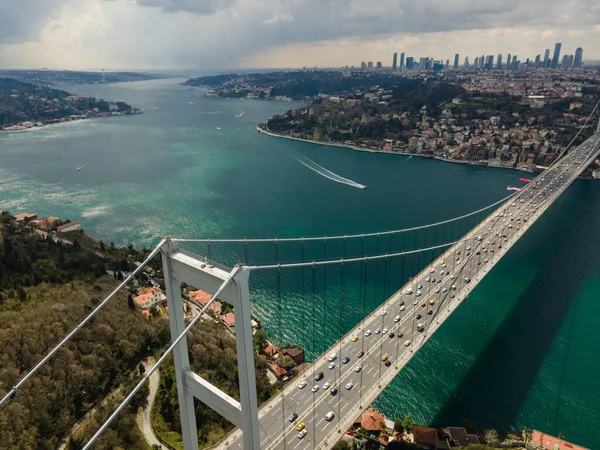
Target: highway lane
[(492, 237)]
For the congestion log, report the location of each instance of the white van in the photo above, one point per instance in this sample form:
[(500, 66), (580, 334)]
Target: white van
[(329, 417), (332, 357)]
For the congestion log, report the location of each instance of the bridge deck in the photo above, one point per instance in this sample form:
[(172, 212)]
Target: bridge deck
[(479, 251)]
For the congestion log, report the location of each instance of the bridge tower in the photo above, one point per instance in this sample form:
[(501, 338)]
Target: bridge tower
[(598, 127), (183, 267)]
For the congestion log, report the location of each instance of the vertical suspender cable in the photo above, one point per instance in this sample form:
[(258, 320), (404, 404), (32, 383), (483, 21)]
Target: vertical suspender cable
[(324, 315)]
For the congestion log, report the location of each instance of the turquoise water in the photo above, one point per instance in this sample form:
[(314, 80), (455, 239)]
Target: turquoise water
[(523, 351)]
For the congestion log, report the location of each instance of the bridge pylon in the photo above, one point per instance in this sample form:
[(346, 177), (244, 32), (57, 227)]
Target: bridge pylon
[(179, 267)]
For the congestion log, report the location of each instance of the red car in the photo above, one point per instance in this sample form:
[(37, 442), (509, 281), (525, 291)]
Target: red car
[(400, 334), (350, 432), (423, 304)]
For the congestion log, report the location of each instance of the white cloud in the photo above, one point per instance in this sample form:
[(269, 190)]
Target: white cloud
[(280, 17), (217, 34)]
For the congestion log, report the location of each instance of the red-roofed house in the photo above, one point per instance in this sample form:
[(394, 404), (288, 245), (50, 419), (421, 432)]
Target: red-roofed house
[(425, 436), (25, 217), (271, 350), (278, 370), (71, 226), (371, 421), (545, 441), (228, 319), (147, 298), (200, 297), (46, 223)]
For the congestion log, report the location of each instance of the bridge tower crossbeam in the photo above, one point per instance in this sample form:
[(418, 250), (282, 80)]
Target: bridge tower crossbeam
[(184, 267)]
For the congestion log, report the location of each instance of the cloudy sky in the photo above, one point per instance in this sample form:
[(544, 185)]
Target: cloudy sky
[(221, 34)]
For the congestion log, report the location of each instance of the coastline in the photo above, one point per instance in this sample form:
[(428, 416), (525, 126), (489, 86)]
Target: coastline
[(20, 128), (368, 150)]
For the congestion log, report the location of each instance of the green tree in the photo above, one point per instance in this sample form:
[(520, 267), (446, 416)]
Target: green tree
[(561, 436), (259, 340), (407, 423), (130, 302), (490, 436), (286, 362), (398, 426)]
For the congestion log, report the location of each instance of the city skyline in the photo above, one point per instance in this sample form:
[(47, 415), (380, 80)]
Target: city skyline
[(487, 61), (220, 34)]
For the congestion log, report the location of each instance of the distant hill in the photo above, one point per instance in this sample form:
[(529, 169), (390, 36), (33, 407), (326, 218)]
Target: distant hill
[(63, 77)]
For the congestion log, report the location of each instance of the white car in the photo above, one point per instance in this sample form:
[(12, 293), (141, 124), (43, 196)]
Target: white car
[(397, 318), (418, 294), (432, 270), (467, 279), (384, 331), (377, 331), (416, 302), (428, 279), (453, 287), (407, 343), (368, 333), (331, 365), (302, 384), (445, 290), (402, 308), (383, 313), (332, 357), (315, 388), (302, 434), (326, 386), (357, 369), (349, 386), (437, 290)]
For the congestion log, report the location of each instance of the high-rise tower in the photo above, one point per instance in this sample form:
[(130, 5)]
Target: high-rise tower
[(395, 62), (578, 57), (556, 55), (456, 60)]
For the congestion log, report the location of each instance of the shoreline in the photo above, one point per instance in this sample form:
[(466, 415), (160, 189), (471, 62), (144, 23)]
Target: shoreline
[(80, 119), (368, 150)]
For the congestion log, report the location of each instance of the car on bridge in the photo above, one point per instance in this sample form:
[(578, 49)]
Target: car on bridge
[(315, 388), (319, 376), (384, 357), (346, 360), (293, 417), (302, 434), (349, 386), (334, 391), (407, 343), (368, 333), (397, 319), (326, 386), (331, 365), (332, 357), (361, 354), (354, 338), (300, 426), (329, 417), (302, 384), (388, 363), (357, 369)]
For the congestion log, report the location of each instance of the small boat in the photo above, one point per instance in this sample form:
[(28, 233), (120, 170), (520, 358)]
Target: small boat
[(218, 128)]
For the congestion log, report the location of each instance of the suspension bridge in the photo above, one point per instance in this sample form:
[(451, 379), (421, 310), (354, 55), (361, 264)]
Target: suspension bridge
[(435, 275)]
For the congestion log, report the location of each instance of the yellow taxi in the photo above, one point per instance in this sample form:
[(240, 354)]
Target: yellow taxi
[(431, 302), (300, 427), (354, 338), (384, 357)]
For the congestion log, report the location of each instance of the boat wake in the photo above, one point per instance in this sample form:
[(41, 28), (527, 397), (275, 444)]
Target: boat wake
[(242, 112), (190, 102), (306, 162), (512, 188), (209, 112)]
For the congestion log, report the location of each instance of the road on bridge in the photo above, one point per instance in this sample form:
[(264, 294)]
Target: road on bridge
[(413, 314)]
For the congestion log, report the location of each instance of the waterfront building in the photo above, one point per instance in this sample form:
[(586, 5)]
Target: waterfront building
[(556, 55)]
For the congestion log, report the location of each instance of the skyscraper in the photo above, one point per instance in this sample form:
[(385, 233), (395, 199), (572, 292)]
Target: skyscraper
[(476, 63), (514, 64), (370, 65), (546, 62), (379, 65), (395, 62), (578, 57), (537, 60), (363, 65), (456, 60), (556, 54), (499, 65), (410, 62), (466, 64), (508, 61), (489, 62), (402, 61)]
